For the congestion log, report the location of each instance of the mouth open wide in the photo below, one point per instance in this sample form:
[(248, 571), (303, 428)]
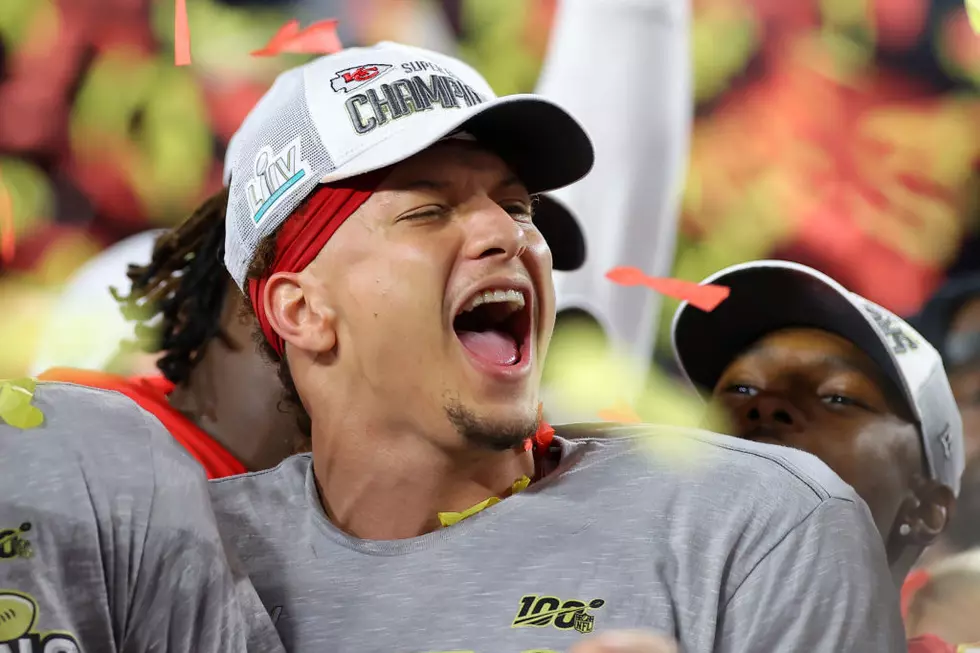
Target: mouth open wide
[(494, 326)]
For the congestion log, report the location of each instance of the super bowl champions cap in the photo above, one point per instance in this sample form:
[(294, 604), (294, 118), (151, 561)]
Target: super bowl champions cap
[(363, 109), (770, 295)]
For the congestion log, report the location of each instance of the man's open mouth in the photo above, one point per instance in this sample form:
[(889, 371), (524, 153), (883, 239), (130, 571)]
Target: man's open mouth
[(495, 326)]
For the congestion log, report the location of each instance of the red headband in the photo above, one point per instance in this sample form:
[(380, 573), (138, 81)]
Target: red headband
[(304, 234)]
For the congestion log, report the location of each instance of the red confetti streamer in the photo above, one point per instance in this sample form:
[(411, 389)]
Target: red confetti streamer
[(182, 35), (621, 412), (8, 239), (318, 38), (706, 297), (543, 436)]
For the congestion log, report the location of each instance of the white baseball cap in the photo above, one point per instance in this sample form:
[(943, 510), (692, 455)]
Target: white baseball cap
[(770, 295), (363, 109)]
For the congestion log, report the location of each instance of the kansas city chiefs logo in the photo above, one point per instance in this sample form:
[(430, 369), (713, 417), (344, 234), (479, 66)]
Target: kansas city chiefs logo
[(351, 78)]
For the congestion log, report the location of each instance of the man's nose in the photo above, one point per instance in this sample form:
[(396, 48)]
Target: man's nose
[(772, 411), (493, 232)]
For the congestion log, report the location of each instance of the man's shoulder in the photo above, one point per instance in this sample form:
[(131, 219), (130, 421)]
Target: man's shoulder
[(731, 502), (67, 409), (255, 495), (258, 510), (77, 425), (701, 465)]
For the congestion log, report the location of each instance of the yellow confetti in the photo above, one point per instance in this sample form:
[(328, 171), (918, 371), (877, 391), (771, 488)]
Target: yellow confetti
[(520, 485), (587, 379), (15, 404), (973, 13), (450, 518), (584, 377)]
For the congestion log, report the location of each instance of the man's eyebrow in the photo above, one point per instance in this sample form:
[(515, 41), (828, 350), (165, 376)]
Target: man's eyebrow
[(511, 180), (834, 362), (843, 364)]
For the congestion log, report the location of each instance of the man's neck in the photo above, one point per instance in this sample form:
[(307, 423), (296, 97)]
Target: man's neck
[(256, 434), (388, 486), (901, 559)]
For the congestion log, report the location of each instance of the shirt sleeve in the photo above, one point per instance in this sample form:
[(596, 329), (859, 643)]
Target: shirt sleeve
[(187, 595), (823, 588)]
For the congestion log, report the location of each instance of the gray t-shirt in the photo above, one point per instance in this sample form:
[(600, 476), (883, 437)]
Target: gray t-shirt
[(748, 548), (107, 539)]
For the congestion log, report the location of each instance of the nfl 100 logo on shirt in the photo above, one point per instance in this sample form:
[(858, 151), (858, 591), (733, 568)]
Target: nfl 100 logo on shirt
[(18, 633), (277, 174), (14, 543), (543, 611), (551, 612)]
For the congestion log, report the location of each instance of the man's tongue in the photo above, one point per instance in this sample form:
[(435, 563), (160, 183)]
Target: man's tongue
[(494, 347)]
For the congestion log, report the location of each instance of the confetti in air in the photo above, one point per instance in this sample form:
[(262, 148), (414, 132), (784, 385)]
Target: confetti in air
[(318, 38), (587, 379), (8, 239), (973, 13), (621, 412), (16, 408), (182, 35), (705, 297)]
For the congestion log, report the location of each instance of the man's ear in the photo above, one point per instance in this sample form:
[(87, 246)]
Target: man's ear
[(927, 514), (296, 313)]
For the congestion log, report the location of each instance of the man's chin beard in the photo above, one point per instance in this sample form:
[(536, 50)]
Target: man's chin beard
[(492, 434)]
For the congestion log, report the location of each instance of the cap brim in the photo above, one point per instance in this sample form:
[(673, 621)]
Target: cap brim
[(562, 232), (767, 296), (545, 146)]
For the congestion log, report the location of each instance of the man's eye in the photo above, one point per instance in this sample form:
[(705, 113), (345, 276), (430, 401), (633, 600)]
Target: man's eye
[(840, 400), (428, 212), (520, 211), (741, 389)]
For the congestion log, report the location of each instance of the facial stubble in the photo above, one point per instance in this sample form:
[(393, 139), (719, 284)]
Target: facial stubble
[(492, 434)]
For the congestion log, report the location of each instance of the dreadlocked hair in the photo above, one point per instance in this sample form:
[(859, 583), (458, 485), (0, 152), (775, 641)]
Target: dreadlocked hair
[(177, 298), (264, 257)]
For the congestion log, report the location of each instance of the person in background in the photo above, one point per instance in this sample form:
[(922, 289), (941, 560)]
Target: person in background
[(215, 394), (107, 540), (950, 320), (794, 359), (948, 602), (85, 328)]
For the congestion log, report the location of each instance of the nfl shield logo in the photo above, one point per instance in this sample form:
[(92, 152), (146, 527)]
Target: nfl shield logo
[(584, 623)]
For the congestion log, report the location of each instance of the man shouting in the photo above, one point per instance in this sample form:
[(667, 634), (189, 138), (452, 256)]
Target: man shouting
[(381, 222)]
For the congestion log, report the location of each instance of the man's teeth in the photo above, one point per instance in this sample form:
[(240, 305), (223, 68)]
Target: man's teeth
[(513, 297)]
